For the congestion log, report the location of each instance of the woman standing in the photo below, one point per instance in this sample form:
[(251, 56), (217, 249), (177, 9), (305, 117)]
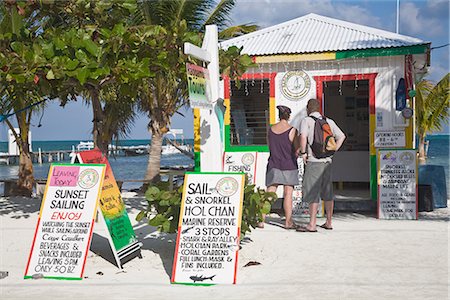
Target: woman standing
[(282, 166)]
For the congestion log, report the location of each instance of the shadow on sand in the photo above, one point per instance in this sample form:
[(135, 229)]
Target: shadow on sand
[(19, 207)]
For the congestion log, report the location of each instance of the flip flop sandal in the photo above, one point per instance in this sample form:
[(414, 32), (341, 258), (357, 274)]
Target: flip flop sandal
[(324, 226), (304, 229)]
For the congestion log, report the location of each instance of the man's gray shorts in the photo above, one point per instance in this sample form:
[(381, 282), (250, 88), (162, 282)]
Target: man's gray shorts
[(317, 182)]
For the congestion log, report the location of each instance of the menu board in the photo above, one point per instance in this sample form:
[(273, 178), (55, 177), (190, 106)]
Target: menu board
[(121, 234), (66, 219), (209, 229), (397, 184)]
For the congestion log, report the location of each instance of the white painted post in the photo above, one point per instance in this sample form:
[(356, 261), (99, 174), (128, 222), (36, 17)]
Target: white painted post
[(39, 156), (210, 154)]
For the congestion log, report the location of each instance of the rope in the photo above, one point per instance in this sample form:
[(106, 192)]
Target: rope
[(4, 117)]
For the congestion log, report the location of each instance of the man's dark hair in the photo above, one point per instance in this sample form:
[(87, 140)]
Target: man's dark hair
[(312, 106)]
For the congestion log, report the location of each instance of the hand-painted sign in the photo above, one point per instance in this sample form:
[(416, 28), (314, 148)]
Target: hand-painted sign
[(198, 87), (122, 238), (397, 184), (389, 139), (244, 162), (63, 232), (300, 208), (209, 229)]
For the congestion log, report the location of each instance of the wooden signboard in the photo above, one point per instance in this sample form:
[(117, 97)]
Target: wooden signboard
[(66, 219), (122, 239), (209, 229), (397, 184)]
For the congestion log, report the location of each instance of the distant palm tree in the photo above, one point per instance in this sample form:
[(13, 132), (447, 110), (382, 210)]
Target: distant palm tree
[(162, 95), (432, 109)]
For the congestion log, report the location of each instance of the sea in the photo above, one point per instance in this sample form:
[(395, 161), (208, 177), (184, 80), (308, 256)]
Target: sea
[(124, 167), (134, 167)]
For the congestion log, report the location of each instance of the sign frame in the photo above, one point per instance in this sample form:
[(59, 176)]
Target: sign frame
[(240, 189), (412, 155), (131, 250), (99, 184)]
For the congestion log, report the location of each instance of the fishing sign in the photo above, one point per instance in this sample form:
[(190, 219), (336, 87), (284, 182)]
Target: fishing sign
[(66, 219), (209, 229)]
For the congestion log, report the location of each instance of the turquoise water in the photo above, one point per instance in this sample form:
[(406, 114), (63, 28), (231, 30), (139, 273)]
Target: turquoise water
[(134, 167), (124, 167)]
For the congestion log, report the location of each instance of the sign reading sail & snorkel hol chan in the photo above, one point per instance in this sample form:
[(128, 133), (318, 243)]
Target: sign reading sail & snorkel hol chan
[(209, 229)]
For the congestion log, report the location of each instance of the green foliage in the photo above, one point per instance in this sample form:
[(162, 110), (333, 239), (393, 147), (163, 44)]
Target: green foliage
[(233, 64), (256, 204), (163, 210), (165, 204), (432, 103)]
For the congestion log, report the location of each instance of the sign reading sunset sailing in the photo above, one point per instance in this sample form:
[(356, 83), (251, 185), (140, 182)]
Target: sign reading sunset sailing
[(66, 219), (209, 229), (198, 87), (397, 184)]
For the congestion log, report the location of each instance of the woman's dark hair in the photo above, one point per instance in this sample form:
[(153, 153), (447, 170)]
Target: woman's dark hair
[(284, 112)]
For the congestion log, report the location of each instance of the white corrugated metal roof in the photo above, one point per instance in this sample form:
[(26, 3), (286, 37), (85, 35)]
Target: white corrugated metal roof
[(314, 33)]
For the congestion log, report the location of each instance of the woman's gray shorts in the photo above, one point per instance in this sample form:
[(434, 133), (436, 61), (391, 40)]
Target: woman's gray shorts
[(317, 182), (281, 177)]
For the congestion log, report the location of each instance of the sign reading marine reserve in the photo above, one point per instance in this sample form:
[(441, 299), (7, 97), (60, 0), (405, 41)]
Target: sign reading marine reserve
[(198, 87), (397, 184), (66, 219), (209, 229)]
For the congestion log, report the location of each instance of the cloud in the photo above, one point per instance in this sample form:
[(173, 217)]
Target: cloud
[(430, 19), (276, 11)]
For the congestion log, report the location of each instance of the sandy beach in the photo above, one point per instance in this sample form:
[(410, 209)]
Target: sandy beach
[(362, 258)]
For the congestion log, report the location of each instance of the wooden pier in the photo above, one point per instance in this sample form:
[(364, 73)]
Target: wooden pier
[(38, 157)]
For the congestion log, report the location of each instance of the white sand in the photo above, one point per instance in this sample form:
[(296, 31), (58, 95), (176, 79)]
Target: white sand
[(362, 258)]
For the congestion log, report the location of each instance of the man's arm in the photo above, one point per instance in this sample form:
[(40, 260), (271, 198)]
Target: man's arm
[(303, 147)]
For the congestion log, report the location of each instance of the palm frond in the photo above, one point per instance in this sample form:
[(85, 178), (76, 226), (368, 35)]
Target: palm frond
[(237, 30), (220, 15)]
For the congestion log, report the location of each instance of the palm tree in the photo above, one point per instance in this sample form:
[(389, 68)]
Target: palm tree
[(432, 109), (162, 95)]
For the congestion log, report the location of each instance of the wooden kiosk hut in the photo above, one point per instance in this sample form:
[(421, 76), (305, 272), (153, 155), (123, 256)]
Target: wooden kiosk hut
[(363, 77)]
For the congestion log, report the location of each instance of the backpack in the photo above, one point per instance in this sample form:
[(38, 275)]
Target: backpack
[(324, 144)]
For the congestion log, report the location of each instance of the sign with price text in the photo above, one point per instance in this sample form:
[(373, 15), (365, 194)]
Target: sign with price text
[(64, 228), (209, 229)]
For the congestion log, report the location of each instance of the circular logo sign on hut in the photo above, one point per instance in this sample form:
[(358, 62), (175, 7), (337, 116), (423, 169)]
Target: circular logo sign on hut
[(295, 85)]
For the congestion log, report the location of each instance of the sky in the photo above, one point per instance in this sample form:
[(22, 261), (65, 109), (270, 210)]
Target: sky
[(424, 19)]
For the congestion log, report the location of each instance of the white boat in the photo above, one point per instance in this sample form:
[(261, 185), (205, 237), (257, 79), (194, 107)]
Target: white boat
[(170, 149), (83, 146)]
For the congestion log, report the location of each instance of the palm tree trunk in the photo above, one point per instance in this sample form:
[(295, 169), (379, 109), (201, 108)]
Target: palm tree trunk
[(422, 154), (26, 177), (154, 158), (97, 131)]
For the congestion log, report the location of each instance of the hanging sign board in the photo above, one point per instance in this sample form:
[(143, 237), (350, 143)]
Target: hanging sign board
[(388, 139), (198, 87), (122, 239), (209, 229), (66, 219), (244, 162), (397, 184)]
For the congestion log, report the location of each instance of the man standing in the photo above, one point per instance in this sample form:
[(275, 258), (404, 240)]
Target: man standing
[(317, 179)]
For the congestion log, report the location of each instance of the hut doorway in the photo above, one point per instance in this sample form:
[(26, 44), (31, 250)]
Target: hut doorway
[(347, 103)]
